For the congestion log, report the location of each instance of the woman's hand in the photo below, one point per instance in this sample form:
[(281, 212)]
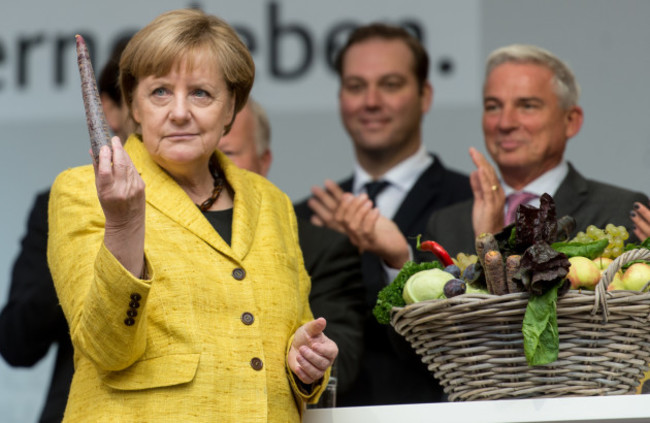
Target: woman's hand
[(489, 198), (641, 218), (120, 190), (370, 231), (311, 352)]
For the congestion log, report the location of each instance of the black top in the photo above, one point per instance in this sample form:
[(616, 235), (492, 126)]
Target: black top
[(221, 220)]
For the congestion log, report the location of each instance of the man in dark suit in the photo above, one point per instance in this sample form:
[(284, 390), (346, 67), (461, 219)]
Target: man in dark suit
[(384, 94), (32, 320), (337, 291), (530, 111)]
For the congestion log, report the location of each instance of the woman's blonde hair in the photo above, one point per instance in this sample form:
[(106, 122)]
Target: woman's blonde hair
[(177, 35)]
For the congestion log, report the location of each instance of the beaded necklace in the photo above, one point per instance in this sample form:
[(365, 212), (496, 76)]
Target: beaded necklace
[(219, 183)]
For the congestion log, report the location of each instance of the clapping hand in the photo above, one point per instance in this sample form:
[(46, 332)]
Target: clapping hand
[(324, 203), (489, 198), (641, 218), (370, 231)]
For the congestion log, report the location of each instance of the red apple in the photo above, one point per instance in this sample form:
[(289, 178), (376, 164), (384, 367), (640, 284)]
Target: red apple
[(636, 276), (583, 273)]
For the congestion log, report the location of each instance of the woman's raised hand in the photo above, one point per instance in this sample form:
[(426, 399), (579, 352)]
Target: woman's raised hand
[(120, 190)]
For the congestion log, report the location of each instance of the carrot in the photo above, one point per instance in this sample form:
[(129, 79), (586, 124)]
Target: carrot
[(95, 119), (512, 266), (485, 242), (495, 275)]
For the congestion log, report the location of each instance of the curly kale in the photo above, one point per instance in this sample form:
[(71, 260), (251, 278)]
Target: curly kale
[(391, 296)]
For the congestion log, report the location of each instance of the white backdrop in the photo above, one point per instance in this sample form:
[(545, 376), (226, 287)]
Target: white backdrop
[(42, 127)]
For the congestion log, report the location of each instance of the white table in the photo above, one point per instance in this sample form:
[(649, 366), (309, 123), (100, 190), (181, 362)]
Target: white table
[(606, 409)]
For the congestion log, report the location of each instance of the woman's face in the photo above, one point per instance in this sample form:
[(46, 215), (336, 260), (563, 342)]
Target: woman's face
[(183, 114)]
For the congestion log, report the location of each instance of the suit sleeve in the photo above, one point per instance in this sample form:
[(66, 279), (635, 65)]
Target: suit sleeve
[(94, 289), (337, 294), (32, 319)]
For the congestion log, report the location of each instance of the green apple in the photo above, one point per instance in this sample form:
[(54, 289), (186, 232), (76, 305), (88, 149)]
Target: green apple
[(425, 285), (617, 282), (636, 276), (583, 273), (472, 290)]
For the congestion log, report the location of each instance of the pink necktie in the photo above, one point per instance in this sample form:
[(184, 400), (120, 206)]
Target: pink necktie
[(513, 201)]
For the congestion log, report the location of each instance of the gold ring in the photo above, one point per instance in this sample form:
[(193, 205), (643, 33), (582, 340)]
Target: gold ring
[(495, 187)]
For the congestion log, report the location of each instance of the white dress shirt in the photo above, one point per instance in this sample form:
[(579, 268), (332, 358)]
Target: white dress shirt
[(549, 183), (401, 179)]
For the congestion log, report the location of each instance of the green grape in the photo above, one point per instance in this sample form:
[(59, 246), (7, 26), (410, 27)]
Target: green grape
[(615, 235), (592, 231), (611, 229), (623, 233)]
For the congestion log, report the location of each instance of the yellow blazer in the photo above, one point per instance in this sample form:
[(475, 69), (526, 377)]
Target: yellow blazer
[(205, 339)]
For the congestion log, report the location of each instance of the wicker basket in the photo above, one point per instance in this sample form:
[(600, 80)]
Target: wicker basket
[(473, 343)]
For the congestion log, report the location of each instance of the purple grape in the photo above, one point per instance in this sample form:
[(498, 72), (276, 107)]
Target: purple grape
[(453, 269), (454, 287), (469, 274)]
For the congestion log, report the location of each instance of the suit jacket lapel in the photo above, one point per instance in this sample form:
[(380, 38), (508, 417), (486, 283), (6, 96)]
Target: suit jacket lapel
[(164, 194), (247, 205), (421, 196), (346, 185), (571, 194)]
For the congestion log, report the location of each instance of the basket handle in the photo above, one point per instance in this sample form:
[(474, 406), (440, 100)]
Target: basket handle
[(608, 277)]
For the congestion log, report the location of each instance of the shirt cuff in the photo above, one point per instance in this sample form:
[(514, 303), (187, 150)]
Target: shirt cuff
[(391, 273)]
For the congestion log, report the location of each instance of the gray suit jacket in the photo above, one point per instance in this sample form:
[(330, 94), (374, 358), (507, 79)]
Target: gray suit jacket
[(588, 201)]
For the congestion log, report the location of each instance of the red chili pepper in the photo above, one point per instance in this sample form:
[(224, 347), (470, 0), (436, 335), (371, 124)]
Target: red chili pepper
[(435, 248)]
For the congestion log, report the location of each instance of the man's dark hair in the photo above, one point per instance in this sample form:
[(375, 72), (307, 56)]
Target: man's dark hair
[(108, 78), (388, 32)]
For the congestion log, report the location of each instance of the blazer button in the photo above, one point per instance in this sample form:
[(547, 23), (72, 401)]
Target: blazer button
[(136, 297), (131, 312), (239, 273), (256, 363), (247, 318), (134, 304), (129, 321)]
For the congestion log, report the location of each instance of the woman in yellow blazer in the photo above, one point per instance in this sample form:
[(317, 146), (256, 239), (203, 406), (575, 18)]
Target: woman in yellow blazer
[(180, 308)]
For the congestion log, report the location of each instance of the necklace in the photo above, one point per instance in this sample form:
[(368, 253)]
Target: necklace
[(218, 185)]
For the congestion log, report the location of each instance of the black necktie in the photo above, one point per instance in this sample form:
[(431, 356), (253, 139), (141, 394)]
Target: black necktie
[(373, 189)]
